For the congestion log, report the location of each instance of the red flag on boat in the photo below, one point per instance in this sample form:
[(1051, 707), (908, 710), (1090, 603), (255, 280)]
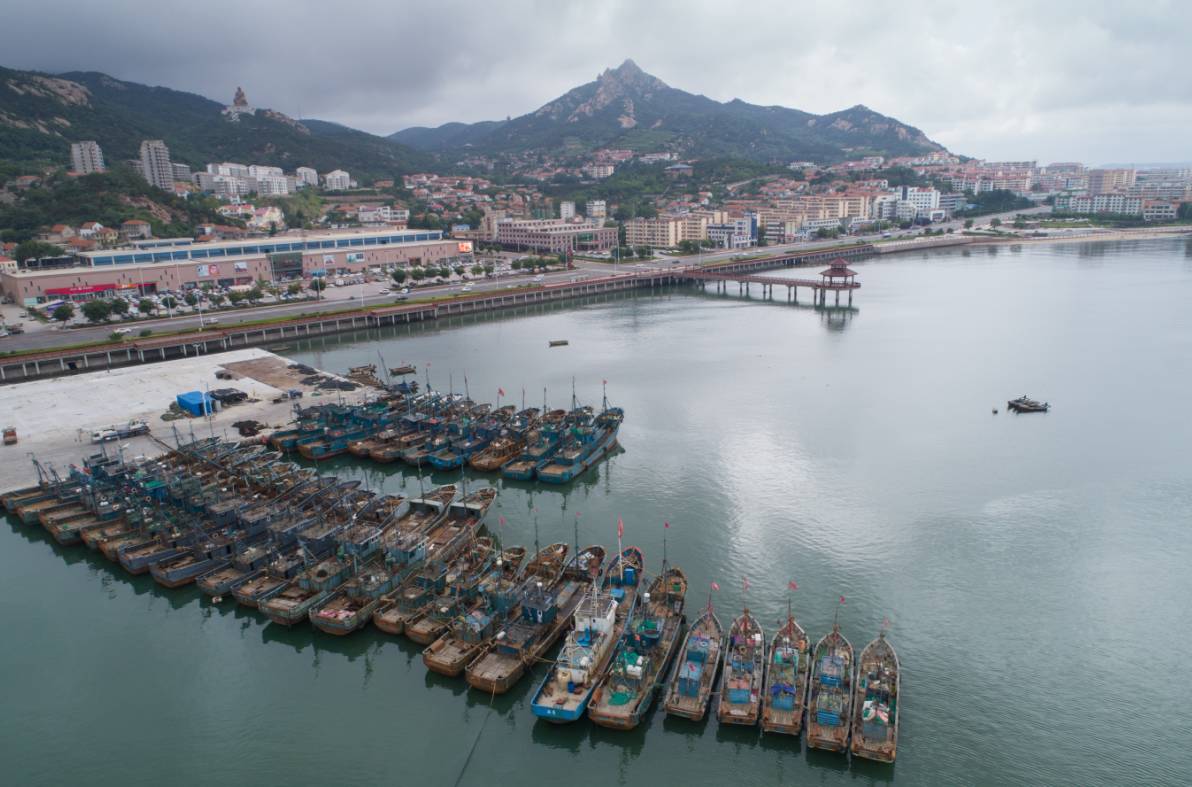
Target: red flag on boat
[(500, 392), (793, 585), (746, 583), (666, 524), (715, 586), (885, 623), (501, 521), (604, 382), (620, 528), (842, 599)]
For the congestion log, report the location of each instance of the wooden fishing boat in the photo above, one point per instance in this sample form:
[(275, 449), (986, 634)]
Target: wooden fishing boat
[(413, 599), (601, 618), (277, 575), (787, 672), (457, 595), (586, 445), (292, 604), (626, 691), (694, 675), (499, 451), (198, 560), (875, 704), (830, 694), (449, 654), (543, 614), (742, 673)]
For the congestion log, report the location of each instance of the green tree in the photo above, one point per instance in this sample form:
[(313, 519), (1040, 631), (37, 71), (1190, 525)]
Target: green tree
[(643, 251), (459, 270), (542, 263), (216, 298), (97, 311), (119, 306), (995, 222), (146, 306), (516, 265), (317, 284), (235, 297), (1019, 223), (64, 312), (169, 301), (417, 274), (190, 298), (489, 268), (476, 270), (294, 288), (255, 294), (35, 249), (968, 224), (399, 275)]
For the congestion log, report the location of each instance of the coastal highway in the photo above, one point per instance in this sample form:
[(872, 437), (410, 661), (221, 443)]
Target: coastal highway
[(50, 337)]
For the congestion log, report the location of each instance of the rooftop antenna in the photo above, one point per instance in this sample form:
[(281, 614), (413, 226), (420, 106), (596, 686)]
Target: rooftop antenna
[(573, 403), (523, 407)]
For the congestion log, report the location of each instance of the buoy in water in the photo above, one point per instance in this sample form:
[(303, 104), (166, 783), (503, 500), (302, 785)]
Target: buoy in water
[(995, 411), (216, 599)]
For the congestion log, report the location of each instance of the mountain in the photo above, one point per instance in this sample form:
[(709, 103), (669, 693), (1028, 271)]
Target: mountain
[(627, 108), (41, 114)]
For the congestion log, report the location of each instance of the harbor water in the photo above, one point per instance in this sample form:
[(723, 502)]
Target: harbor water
[(1033, 568)]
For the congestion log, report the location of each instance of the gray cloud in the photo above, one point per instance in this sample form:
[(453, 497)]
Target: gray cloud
[(1095, 81)]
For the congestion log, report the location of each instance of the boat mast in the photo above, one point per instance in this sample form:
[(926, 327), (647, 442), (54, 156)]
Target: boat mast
[(573, 403)]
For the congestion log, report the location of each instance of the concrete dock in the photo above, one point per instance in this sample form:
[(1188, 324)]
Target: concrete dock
[(55, 417)]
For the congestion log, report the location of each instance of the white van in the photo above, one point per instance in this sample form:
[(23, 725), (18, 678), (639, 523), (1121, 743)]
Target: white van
[(540, 277)]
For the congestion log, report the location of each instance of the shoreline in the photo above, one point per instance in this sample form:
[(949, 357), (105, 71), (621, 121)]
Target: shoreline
[(1105, 236)]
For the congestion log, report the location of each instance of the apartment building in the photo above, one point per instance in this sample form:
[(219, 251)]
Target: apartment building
[(86, 157), (337, 180), (554, 236), (1104, 181), (155, 164), (306, 177)]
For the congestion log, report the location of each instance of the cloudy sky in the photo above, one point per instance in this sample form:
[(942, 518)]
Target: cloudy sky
[(1094, 81)]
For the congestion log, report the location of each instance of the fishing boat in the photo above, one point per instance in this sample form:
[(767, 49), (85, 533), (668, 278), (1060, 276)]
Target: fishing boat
[(587, 442), (601, 618), (742, 672), (626, 692), (544, 612), (1025, 404), (280, 571), (875, 705), (247, 564), (694, 675), (457, 595), (501, 450), (830, 693), (787, 672), (468, 633), (199, 559), (414, 598), (292, 604)]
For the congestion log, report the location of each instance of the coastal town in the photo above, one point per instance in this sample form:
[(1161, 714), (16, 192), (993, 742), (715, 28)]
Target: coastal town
[(294, 231)]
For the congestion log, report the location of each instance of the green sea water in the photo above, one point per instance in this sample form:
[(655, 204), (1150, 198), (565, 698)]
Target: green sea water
[(1034, 569)]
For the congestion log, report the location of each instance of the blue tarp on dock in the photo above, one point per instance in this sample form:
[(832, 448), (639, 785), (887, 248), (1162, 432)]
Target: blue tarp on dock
[(195, 403)]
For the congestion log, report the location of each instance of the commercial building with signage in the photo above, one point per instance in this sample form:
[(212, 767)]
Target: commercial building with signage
[(230, 263)]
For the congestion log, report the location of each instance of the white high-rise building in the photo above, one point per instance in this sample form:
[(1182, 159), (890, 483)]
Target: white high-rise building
[(259, 171), (155, 164), (86, 157), (273, 185), (307, 177), (337, 180), (597, 209), (567, 209), (229, 168)]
